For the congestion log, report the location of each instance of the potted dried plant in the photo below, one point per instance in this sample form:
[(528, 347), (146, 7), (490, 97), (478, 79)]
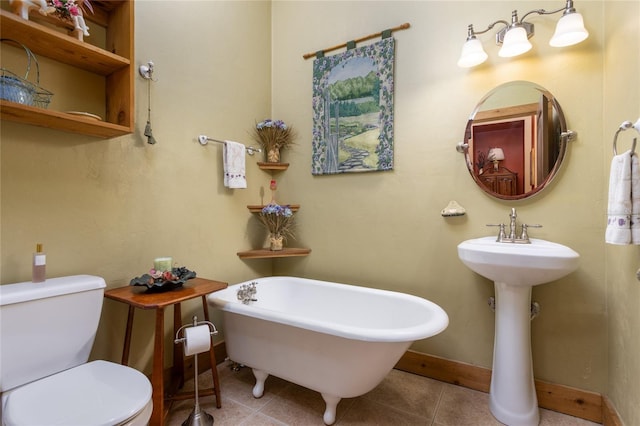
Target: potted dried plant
[(273, 135), (279, 222)]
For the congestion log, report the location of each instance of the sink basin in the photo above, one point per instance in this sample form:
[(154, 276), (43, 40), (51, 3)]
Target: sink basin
[(518, 264), (515, 268)]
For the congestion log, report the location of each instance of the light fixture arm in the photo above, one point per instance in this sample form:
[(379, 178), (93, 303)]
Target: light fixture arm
[(566, 9), (472, 32)]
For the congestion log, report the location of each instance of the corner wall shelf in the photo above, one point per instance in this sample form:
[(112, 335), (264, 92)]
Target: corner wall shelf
[(258, 208), (273, 166), (268, 254)]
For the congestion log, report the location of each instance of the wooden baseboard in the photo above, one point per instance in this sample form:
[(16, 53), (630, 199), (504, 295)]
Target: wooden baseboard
[(610, 415), (564, 399)]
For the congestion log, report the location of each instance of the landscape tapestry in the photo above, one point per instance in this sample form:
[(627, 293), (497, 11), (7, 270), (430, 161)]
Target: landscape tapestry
[(353, 110)]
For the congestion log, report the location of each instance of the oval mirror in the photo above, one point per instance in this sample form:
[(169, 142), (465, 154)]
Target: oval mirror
[(515, 140)]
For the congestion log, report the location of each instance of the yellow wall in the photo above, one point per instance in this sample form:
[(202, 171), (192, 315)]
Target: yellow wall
[(385, 229), (109, 207), (622, 102)]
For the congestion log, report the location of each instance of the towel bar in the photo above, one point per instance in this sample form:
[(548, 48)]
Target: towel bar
[(204, 139)]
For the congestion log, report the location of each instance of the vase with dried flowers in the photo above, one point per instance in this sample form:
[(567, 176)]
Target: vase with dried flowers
[(273, 135), (279, 222)]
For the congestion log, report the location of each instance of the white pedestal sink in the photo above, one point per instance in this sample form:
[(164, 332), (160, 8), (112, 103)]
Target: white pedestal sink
[(515, 268)]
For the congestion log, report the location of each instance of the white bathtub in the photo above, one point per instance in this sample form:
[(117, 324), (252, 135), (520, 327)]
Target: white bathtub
[(336, 339)]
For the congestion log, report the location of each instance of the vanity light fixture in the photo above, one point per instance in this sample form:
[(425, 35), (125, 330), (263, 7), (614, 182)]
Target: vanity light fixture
[(514, 37)]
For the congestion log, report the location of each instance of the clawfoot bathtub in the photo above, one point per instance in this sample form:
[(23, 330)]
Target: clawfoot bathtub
[(336, 339)]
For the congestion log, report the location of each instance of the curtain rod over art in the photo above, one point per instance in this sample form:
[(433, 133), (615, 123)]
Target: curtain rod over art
[(352, 44)]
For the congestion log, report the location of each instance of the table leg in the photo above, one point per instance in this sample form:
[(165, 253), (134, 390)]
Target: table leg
[(212, 358), (177, 373), (127, 337), (157, 378)]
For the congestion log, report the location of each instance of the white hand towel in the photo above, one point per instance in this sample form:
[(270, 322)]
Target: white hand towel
[(635, 199), (234, 165), (620, 206)]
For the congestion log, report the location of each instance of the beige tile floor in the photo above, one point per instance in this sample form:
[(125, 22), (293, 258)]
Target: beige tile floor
[(401, 399)]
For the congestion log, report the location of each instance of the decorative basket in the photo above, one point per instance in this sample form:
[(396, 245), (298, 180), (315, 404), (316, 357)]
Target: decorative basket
[(21, 90)]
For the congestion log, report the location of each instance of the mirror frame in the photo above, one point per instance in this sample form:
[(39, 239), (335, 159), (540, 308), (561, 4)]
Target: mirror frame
[(562, 137)]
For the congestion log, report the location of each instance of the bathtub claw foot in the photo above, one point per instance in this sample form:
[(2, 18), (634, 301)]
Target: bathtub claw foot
[(261, 376), (329, 416)]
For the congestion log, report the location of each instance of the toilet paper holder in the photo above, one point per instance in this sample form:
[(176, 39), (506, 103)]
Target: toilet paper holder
[(182, 339), (198, 416)]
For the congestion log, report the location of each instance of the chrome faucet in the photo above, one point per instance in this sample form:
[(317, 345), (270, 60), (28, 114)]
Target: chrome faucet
[(512, 225), (247, 292), (513, 229)]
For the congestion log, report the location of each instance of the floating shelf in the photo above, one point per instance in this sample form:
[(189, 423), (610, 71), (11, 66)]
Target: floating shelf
[(268, 254), (273, 166), (258, 208)]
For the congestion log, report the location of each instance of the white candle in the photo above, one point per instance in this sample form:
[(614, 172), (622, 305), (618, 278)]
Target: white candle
[(161, 264)]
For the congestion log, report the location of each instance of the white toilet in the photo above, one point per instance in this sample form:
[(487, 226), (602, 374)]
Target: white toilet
[(47, 330)]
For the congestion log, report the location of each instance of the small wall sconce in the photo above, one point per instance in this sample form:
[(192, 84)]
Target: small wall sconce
[(514, 37), (496, 155)]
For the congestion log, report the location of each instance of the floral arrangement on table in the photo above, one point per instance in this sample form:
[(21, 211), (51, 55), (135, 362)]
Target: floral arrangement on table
[(156, 281), (273, 135), (279, 222)]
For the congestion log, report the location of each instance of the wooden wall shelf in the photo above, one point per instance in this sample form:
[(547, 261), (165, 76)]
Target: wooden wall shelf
[(273, 166), (269, 254), (258, 208), (114, 63), (60, 121)]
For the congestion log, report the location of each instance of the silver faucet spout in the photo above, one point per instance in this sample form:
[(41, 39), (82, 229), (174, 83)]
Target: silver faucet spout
[(512, 225)]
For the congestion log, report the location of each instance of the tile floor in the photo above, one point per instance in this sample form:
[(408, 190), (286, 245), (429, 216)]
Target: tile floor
[(401, 399)]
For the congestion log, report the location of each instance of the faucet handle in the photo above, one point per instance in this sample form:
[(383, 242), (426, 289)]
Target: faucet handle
[(501, 234), (525, 235)]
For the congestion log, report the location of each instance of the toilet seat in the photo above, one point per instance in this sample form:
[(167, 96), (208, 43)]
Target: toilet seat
[(97, 393)]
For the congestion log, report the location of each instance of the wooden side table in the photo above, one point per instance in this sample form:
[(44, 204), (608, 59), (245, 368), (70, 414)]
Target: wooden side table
[(137, 297)]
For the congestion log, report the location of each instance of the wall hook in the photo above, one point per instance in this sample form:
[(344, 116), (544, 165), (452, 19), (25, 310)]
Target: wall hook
[(146, 71)]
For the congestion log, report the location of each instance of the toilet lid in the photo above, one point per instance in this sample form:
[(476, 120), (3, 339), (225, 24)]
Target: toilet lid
[(96, 393)]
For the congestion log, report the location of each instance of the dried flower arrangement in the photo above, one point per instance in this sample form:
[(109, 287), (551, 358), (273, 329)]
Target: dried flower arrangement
[(273, 135), (277, 219)]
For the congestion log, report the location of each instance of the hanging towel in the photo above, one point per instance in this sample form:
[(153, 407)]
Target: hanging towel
[(635, 199), (623, 209), (234, 165)]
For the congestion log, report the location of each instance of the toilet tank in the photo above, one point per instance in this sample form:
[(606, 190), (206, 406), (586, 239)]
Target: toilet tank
[(47, 327)]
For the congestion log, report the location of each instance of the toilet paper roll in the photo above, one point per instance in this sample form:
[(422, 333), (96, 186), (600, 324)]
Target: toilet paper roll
[(197, 339)]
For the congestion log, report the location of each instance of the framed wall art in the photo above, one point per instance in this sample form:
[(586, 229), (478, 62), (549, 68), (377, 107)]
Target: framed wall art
[(353, 110)]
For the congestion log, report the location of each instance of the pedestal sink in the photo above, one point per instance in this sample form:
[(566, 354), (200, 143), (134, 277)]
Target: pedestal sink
[(515, 268)]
